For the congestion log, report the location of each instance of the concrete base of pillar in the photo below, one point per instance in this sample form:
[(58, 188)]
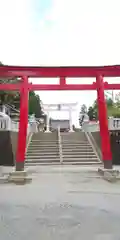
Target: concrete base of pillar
[(19, 166), (71, 130), (110, 175), (47, 131), (19, 177)]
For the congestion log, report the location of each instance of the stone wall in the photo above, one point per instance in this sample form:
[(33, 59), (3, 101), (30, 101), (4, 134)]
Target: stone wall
[(96, 136), (6, 152), (14, 141), (8, 147), (115, 144)]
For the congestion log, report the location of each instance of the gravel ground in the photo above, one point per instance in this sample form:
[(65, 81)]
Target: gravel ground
[(60, 204)]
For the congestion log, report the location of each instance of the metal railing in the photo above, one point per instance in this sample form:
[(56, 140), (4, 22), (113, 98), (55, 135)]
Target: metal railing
[(60, 145)]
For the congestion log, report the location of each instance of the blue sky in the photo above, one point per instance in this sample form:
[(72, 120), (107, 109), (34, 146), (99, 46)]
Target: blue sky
[(60, 32), (40, 7)]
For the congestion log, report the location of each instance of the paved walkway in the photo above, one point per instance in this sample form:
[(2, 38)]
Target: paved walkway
[(60, 203)]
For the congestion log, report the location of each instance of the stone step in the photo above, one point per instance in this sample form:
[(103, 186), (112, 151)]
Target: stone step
[(45, 137), (58, 160), (79, 160), (75, 143), (77, 150), (43, 149), (30, 164), (74, 140), (64, 148), (65, 151), (64, 163), (79, 155), (34, 160), (44, 144), (42, 153), (44, 141), (45, 134), (42, 157), (64, 154), (65, 158), (77, 147), (84, 158), (73, 134)]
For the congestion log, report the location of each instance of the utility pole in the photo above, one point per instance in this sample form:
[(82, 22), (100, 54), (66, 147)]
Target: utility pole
[(111, 94)]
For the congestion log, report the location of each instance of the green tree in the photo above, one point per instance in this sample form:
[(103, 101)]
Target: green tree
[(113, 109), (83, 109), (8, 96), (13, 98), (82, 114), (35, 105), (92, 113)]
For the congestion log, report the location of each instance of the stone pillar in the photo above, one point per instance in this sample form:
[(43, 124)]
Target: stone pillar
[(4, 109), (70, 119), (47, 122)]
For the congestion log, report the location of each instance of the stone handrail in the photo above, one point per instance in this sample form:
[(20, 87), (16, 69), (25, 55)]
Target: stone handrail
[(113, 124), (6, 124), (94, 145), (60, 145)]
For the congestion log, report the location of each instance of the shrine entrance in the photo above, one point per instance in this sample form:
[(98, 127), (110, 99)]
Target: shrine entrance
[(62, 72), (63, 124)]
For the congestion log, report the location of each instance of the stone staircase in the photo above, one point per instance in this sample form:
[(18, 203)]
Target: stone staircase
[(43, 149), (75, 149)]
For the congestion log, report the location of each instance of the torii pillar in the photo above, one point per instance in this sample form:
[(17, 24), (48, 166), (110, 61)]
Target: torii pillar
[(103, 122), (23, 124)]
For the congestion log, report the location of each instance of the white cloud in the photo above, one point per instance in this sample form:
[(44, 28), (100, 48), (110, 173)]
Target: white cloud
[(15, 30), (84, 32), (73, 32)]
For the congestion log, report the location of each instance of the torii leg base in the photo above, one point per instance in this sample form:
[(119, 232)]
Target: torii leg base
[(19, 177), (111, 175), (19, 166)]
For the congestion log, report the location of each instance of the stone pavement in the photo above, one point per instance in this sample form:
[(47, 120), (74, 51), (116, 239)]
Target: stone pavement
[(60, 203)]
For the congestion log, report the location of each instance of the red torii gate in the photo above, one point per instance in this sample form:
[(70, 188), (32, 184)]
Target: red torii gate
[(62, 72)]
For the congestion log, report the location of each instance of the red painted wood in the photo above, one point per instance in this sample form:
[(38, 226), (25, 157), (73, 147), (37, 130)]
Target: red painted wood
[(14, 71), (103, 122), (62, 73), (48, 87), (20, 157), (62, 87), (11, 87)]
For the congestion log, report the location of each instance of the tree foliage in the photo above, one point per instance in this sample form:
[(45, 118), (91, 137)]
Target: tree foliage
[(113, 109), (83, 109), (13, 98), (92, 113), (83, 112), (35, 105)]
